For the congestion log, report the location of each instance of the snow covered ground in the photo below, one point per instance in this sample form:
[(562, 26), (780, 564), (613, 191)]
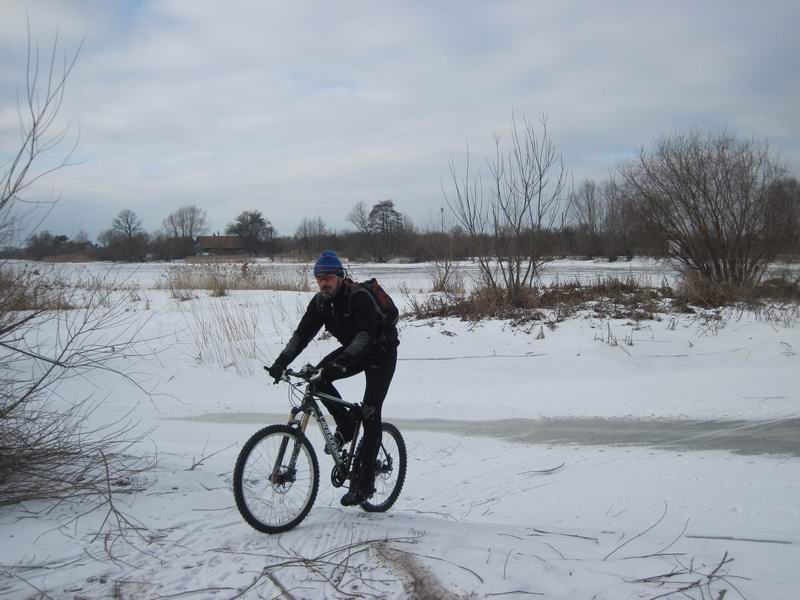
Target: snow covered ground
[(490, 508)]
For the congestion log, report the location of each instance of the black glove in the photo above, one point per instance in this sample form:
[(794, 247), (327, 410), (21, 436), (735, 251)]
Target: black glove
[(332, 371), (276, 370)]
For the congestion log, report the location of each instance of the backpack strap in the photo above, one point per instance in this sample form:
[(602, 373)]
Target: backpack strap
[(354, 287)]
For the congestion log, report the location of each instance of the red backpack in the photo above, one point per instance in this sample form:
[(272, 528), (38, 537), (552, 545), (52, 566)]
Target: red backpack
[(383, 302), (386, 305)]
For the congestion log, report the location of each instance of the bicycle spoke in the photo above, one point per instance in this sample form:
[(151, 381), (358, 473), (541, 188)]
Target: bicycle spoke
[(274, 493)]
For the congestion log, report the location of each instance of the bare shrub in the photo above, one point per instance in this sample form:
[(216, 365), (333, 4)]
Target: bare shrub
[(447, 278), (46, 448), (428, 305), (696, 290), (711, 197), (48, 453), (507, 220), (51, 330)]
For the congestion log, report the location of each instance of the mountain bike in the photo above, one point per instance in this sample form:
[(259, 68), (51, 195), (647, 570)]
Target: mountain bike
[(276, 478)]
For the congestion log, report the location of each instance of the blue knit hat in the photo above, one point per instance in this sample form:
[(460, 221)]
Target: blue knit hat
[(328, 262)]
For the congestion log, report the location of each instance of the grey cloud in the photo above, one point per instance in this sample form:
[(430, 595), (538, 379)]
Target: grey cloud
[(318, 106)]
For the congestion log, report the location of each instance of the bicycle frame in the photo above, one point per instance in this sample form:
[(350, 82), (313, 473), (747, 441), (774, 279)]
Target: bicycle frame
[(309, 407)]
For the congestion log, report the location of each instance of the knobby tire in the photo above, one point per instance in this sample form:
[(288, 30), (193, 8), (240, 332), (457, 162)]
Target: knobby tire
[(254, 489), (392, 442)]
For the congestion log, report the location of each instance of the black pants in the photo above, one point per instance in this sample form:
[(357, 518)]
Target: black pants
[(379, 370)]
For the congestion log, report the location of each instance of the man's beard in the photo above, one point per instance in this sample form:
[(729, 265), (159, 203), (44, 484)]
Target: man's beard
[(329, 293)]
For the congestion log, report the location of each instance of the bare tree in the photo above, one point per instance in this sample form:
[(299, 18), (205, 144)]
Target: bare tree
[(125, 240), (709, 196), (311, 234), (127, 224), (508, 216), (180, 230), (40, 134), (589, 204), (186, 222), (359, 217)]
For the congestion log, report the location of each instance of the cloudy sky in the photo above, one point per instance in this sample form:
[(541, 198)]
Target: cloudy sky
[(306, 108)]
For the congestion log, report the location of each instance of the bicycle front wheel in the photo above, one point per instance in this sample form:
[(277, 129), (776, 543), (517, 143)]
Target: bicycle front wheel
[(390, 470), (276, 479)]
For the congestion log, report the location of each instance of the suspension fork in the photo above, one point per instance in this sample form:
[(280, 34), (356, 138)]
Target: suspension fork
[(301, 427)]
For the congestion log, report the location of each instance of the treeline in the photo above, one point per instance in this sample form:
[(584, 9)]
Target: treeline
[(714, 204), (600, 222)]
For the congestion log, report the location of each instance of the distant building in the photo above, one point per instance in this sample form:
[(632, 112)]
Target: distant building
[(218, 245)]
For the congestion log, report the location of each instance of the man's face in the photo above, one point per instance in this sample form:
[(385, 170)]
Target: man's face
[(328, 283)]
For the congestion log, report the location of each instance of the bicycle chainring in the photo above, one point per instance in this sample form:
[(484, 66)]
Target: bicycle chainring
[(338, 477)]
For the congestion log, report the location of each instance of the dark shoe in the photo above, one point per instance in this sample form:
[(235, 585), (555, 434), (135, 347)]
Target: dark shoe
[(339, 439), (353, 497), (367, 492)]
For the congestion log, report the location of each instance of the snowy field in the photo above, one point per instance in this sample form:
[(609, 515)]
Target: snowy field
[(414, 275), (509, 492)]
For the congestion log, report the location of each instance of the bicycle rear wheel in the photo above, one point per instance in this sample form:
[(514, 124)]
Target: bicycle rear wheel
[(276, 479), (390, 470)]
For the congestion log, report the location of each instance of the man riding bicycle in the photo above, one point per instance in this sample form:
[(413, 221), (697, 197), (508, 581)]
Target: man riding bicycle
[(351, 314)]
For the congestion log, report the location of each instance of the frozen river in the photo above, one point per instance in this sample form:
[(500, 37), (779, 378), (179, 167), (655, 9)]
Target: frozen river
[(778, 436)]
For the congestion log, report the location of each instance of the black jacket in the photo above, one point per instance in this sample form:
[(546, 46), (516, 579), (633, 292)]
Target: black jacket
[(352, 316)]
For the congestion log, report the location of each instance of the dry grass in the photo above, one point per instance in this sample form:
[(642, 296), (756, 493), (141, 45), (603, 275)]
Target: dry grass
[(226, 333), (67, 258), (219, 278), (27, 290), (205, 260), (695, 291), (611, 298), (607, 297)]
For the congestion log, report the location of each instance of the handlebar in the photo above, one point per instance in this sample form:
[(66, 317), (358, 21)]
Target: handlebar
[(307, 373)]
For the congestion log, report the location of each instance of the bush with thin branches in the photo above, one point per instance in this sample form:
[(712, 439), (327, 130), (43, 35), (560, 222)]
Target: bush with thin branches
[(49, 333), (51, 330), (710, 197)]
